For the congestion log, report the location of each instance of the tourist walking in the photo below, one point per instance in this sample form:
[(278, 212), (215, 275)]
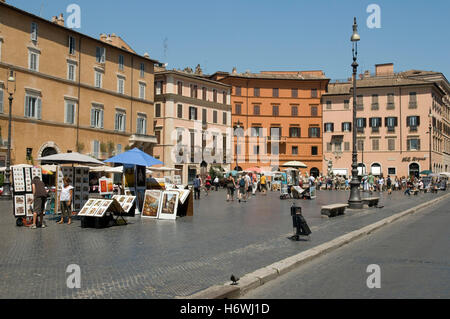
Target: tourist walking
[(248, 185), (242, 189), (197, 186), (216, 183), (263, 182), (65, 200), (208, 183), (389, 184), (40, 195), (231, 186)]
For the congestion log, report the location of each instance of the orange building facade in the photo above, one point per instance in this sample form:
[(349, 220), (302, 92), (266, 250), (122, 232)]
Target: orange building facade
[(277, 118)]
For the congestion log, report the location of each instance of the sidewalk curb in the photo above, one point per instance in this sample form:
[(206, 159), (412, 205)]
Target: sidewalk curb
[(263, 275)]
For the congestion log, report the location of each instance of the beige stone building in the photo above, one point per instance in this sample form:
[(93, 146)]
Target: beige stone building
[(72, 92), (192, 122), (394, 114)]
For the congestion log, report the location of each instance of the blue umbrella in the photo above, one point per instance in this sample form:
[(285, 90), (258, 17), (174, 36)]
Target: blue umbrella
[(134, 157)]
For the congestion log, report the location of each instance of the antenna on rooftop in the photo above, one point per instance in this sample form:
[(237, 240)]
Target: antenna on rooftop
[(40, 10)]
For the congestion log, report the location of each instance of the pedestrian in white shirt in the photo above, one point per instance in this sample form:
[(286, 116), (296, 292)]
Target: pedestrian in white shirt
[(65, 200)]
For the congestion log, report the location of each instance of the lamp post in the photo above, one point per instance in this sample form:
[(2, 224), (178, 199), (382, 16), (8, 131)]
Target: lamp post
[(355, 196), (430, 132), (11, 88), (238, 126)]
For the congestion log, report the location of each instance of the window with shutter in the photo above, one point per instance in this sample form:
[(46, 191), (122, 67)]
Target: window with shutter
[(70, 112), (375, 144), (224, 118), (34, 31), (346, 146), (180, 111), (71, 45), (346, 104), (391, 144), (215, 117)]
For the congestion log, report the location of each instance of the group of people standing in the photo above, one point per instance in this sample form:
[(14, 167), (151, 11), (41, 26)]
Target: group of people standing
[(40, 195)]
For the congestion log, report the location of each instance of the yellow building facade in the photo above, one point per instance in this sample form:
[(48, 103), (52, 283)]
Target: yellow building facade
[(71, 92)]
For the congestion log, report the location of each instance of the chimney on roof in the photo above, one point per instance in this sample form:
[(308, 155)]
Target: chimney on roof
[(108, 39), (361, 76), (234, 71), (60, 20), (55, 19), (146, 55), (367, 74), (4, 1), (384, 69), (103, 37)]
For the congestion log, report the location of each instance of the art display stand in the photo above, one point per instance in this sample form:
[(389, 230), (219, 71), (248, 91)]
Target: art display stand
[(187, 209), (23, 191), (80, 181), (168, 204), (101, 213)]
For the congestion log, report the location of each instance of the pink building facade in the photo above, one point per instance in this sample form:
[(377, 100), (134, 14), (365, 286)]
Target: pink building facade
[(192, 123), (395, 113)]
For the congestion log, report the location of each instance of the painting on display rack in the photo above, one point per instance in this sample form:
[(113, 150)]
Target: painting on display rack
[(151, 204), (169, 205)]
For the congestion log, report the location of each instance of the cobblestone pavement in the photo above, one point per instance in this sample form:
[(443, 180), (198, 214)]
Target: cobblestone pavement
[(164, 259)]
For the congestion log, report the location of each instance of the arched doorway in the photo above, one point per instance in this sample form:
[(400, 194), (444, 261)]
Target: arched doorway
[(414, 169), (47, 152), (375, 169), (361, 169), (314, 172)]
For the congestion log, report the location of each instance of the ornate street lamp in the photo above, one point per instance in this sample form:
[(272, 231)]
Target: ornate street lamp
[(355, 196), (431, 133), (11, 88), (238, 126)]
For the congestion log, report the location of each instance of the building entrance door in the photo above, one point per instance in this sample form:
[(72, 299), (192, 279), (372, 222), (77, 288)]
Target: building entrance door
[(192, 172), (414, 169)]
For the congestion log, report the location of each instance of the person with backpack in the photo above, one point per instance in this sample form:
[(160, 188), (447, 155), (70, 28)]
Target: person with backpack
[(389, 185), (242, 189), (231, 186), (197, 186)]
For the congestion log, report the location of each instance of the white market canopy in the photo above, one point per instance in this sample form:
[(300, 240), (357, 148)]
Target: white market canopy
[(107, 169), (164, 169), (71, 158), (294, 164)]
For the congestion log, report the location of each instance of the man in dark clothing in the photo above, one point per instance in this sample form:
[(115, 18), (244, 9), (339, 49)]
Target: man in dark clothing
[(40, 197), (197, 185)]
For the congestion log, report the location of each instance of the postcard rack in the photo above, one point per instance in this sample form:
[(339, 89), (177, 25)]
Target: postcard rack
[(23, 191)]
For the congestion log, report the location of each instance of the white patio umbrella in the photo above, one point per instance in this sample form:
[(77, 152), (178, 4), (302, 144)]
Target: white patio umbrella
[(294, 164), (71, 158), (107, 169), (164, 169)]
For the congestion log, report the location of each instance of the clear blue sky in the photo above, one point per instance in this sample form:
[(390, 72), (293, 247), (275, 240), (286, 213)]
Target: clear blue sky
[(268, 34)]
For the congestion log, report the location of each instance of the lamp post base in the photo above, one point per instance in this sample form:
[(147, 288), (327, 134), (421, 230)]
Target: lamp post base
[(355, 205)]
